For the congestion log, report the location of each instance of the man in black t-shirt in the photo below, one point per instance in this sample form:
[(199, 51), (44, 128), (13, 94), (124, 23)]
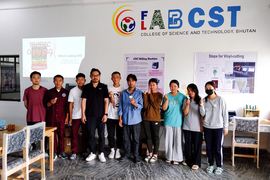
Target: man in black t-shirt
[(95, 103)]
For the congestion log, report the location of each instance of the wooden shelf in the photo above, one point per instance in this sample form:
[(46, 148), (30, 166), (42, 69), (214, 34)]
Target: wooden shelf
[(251, 112)]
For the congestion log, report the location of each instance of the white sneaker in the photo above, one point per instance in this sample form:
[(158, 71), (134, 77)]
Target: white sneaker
[(117, 154), (91, 157), (111, 155), (102, 157)]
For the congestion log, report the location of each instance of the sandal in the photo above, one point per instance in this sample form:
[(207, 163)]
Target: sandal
[(175, 162), (219, 170), (167, 161), (184, 163), (148, 158), (210, 169), (195, 167)]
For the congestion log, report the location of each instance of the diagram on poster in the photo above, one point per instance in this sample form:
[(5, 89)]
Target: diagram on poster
[(232, 72), (145, 67)]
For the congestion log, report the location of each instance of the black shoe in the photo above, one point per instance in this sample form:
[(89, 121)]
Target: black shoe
[(62, 155), (137, 160)]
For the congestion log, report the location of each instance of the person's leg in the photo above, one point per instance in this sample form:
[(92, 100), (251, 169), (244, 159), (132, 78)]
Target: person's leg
[(168, 142), (135, 131), (91, 127), (155, 126), (177, 147), (188, 147), (101, 136), (75, 127), (111, 132), (148, 134), (127, 140), (218, 141), (85, 137), (119, 135), (197, 143), (208, 142), (61, 134)]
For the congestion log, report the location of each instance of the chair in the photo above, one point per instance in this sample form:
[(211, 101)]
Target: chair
[(248, 125), (11, 143)]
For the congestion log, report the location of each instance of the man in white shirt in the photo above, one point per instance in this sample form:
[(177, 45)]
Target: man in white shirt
[(113, 117), (75, 100)]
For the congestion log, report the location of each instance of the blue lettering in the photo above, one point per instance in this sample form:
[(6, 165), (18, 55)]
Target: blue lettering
[(218, 17), (143, 14), (234, 10), (174, 19), (191, 17)]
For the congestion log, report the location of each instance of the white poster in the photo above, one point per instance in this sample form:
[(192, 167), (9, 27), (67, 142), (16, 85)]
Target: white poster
[(51, 56), (145, 67), (232, 72)]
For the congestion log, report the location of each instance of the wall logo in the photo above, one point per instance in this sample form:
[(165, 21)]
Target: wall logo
[(122, 23)]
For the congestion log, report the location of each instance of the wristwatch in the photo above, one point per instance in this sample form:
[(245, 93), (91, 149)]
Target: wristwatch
[(106, 114)]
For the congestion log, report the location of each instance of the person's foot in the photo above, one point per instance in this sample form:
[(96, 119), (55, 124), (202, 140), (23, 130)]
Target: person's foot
[(85, 154), (195, 167), (184, 163), (153, 159), (137, 160), (175, 162), (54, 156), (73, 156), (111, 155), (62, 155), (117, 154), (91, 157), (148, 158), (168, 161), (102, 157)]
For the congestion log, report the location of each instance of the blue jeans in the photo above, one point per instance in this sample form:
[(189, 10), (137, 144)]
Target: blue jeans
[(132, 135)]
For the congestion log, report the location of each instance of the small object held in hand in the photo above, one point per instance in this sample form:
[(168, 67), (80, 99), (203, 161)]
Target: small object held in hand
[(11, 127), (130, 97), (55, 98)]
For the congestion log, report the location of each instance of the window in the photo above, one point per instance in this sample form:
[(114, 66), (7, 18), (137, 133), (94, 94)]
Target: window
[(10, 78)]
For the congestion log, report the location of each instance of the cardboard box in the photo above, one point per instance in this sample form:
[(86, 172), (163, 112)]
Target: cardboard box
[(67, 144), (68, 131)]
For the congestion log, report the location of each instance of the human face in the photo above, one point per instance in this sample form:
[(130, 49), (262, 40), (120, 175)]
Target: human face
[(191, 93), (58, 82), (80, 81), (95, 76), (153, 86), (173, 87), (116, 78), (209, 87), (35, 79), (131, 83)]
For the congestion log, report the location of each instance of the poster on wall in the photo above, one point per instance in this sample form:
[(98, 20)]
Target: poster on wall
[(145, 67), (232, 72)]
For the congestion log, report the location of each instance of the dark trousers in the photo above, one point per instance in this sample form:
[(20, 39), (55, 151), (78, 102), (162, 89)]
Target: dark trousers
[(113, 124), (132, 135), (94, 123), (214, 142), (75, 127), (151, 129), (85, 137), (58, 134), (193, 145)]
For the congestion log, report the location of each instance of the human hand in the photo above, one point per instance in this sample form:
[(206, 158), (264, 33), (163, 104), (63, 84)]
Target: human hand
[(166, 97), (201, 102), (188, 101), (104, 118), (120, 123), (83, 119), (144, 92), (111, 94), (225, 132), (53, 101)]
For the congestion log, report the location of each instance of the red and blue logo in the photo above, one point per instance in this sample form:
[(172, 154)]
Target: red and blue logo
[(122, 23)]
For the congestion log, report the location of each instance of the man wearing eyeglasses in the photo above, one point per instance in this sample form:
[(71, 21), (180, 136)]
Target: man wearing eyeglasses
[(95, 103)]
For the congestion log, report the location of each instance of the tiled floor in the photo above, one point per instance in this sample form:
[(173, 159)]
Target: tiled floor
[(245, 168)]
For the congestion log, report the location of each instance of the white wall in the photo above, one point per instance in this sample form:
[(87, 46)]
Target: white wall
[(105, 48)]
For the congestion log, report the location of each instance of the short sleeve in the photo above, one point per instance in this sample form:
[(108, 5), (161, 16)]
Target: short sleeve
[(25, 95), (105, 92), (184, 104), (84, 92), (71, 96)]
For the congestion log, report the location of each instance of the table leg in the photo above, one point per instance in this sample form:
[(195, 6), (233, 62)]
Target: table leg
[(51, 147)]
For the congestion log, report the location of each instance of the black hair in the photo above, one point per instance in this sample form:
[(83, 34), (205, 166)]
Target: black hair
[(116, 72), (94, 69), (80, 75), (58, 75), (174, 81), (35, 72), (154, 80), (132, 76), (213, 85), (194, 88)]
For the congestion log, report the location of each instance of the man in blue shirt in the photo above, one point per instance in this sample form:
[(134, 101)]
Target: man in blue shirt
[(130, 105)]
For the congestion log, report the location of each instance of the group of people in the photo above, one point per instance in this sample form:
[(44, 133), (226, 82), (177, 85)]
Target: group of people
[(93, 105)]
